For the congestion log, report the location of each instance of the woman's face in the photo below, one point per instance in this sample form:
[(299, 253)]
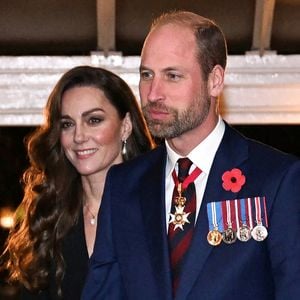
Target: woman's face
[(91, 130)]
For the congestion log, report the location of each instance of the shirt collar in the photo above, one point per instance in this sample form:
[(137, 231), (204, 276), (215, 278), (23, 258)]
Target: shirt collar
[(203, 154)]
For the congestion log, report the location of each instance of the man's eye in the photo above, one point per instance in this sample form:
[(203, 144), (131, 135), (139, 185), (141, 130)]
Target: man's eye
[(145, 75), (173, 76)]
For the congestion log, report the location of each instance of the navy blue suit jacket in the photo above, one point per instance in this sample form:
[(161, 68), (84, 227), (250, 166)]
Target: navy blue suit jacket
[(131, 259)]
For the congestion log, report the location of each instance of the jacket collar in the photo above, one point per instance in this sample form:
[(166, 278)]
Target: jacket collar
[(232, 152)]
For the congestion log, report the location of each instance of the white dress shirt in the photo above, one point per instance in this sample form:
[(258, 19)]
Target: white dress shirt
[(202, 157)]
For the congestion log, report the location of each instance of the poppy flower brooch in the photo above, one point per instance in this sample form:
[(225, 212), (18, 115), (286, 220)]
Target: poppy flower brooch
[(233, 180)]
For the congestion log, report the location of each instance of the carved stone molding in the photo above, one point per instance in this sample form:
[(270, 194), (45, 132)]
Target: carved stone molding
[(258, 90)]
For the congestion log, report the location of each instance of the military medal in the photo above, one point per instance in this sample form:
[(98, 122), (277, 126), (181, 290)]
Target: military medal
[(240, 219), (214, 236), (260, 232), (243, 232), (180, 217), (229, 235)]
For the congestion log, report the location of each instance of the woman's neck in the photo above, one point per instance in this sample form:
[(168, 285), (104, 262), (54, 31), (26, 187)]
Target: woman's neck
[(92, 191)]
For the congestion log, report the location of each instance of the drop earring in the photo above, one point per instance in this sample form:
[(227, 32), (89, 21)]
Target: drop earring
[(124, 149)]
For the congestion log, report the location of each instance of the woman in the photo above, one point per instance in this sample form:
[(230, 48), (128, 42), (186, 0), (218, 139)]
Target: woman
[(92, 122)]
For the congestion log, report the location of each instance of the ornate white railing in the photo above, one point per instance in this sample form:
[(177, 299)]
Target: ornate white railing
[(258, 90)]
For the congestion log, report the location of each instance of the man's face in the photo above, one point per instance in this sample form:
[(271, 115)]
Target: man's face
[(173, 93)]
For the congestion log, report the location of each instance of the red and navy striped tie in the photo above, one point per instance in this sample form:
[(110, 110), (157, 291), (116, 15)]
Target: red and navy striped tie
[(179, 240)]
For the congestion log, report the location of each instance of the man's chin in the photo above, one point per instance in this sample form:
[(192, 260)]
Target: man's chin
[(156, 130), (161, 132)]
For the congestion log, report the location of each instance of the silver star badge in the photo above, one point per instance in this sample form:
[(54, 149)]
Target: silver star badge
[(179, 218)]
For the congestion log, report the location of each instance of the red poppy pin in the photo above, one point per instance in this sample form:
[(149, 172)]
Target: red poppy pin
[(233, 180)]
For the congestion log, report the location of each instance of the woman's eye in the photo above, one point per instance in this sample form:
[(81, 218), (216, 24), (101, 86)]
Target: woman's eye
[(95, 120), (66, 124)]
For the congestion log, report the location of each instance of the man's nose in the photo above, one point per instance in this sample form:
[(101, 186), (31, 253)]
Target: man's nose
[(155, 91)]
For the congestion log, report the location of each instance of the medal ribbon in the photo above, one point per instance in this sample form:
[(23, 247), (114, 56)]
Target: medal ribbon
[(229, 223), (257, 210), (219, 216), (249, 212), (237, 215), (183, 185), (243, 211), (265, 211), (212, 215)]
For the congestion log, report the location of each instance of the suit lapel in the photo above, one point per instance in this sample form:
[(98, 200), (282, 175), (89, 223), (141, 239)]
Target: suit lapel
[(232, 151), (152, 195)]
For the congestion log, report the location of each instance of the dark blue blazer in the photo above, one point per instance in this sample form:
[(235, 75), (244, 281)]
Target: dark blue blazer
[(131, 259)]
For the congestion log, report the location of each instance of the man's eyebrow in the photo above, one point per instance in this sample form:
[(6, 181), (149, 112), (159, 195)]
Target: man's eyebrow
[(142, 68), (168, 69)]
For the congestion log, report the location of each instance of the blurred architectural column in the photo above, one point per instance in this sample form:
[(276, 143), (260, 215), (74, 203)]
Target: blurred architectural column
[(264, 11), (106, 26)]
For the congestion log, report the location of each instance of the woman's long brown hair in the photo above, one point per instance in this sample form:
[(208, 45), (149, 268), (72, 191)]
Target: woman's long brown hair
[(52, 187)]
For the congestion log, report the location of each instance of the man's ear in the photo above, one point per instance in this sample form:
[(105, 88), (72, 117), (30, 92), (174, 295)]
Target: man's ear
[(126, 127), (216, 81)]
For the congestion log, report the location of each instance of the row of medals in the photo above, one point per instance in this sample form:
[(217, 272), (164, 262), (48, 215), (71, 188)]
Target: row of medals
[(215, 237), (243, 234)]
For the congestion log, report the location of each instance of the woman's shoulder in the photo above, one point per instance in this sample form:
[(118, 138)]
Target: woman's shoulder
[(143, 161)]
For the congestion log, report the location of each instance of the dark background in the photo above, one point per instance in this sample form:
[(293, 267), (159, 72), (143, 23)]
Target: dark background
[(69, 27)]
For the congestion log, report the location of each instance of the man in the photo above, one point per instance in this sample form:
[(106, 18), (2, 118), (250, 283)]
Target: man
[(231, 227)]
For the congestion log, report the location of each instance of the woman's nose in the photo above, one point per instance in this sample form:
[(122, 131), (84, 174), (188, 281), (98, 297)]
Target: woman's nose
[(80, 135)]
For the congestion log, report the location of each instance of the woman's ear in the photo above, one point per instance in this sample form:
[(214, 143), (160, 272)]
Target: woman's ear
[(126, 127), (216, 81)]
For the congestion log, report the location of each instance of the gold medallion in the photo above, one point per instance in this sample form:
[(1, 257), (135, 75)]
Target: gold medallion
[(214, 237), (180, 200)]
